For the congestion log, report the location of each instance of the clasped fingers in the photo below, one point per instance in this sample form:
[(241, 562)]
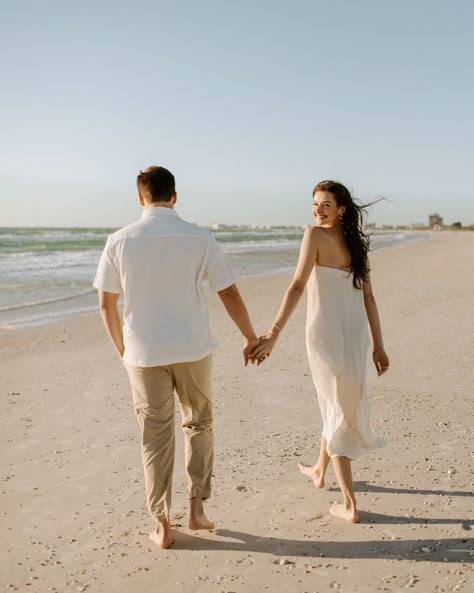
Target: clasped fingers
[(262, 351)]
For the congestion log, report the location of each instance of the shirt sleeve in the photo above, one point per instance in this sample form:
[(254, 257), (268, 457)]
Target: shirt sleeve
[(107, 277), (218, 271)]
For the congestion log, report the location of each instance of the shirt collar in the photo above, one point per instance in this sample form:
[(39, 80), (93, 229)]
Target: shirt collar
[(159, 212)]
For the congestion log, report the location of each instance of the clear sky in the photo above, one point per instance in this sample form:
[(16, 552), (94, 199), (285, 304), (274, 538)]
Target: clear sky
[(248, 103)]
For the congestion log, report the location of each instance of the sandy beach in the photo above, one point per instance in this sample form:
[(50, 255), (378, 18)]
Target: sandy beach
[(73, 513)]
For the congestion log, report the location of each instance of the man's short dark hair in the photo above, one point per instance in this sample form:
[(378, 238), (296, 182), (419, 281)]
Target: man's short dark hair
[(156, 184)]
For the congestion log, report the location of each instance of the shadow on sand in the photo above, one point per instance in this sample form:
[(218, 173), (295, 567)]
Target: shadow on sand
[(433, 550), (361, 486)]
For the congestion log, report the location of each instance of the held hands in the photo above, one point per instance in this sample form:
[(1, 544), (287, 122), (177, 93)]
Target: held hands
[(256, 350), (264, 348), (249, 347), (381, 361)]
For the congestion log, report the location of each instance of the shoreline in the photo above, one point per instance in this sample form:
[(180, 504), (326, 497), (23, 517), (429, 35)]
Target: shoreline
[(58, 310)]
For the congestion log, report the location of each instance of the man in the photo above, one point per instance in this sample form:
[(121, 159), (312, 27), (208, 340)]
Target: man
[(159, 263)]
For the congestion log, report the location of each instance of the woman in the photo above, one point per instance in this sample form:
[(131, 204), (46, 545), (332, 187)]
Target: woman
[(334, 262)]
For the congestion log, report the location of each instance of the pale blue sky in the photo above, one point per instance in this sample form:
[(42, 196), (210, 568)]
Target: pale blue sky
[(249, 103)]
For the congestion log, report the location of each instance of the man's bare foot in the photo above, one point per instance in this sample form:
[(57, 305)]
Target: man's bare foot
[(198, 518), (312, 472), (340, 511), (162, 535), (201, 522)]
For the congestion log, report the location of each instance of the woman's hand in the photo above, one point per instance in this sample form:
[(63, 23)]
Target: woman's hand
[(381, 361), (264, 349)]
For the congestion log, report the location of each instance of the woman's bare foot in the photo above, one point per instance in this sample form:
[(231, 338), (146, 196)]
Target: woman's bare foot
[(314, 473), (198, 518), (340, 511), (162, 535)]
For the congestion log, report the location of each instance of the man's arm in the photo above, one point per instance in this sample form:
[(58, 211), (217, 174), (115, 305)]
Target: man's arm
[(237, 311), (112, 319)]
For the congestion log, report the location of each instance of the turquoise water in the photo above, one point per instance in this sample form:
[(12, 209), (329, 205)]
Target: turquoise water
[(47, 273)]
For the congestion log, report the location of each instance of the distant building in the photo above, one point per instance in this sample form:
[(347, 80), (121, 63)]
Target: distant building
[(435, 220), (215, 226)]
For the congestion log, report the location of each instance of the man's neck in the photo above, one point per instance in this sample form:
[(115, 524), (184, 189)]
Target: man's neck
[(149, 205)]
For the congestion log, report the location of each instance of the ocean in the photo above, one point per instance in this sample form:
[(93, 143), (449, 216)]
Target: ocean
[(47, 273)]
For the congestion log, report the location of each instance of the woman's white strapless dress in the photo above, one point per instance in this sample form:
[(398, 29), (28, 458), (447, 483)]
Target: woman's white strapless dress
[(337, 342)]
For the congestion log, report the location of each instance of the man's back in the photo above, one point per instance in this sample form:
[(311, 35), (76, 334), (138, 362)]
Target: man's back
[(159, 264)]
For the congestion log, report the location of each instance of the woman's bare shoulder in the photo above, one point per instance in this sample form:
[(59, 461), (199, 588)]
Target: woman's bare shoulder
[(315, 233)]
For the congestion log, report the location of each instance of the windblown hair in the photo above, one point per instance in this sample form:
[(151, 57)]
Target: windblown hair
[(156, 184), (352, 222)]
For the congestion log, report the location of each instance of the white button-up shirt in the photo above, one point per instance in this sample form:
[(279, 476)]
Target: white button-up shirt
[(159, 264)]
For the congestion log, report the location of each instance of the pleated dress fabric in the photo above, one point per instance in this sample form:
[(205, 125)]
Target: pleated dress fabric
[(337, 342)]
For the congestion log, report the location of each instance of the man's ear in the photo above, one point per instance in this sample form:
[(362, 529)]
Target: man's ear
[(141, 199), (174, 198)]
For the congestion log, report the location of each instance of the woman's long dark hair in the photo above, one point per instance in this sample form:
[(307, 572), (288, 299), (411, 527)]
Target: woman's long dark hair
[(352, 223)]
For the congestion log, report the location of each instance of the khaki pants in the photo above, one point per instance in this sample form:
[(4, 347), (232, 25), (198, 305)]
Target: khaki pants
[(153, 397)]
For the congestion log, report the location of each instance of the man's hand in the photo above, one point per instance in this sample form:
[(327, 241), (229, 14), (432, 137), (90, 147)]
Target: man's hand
[(249, 347)]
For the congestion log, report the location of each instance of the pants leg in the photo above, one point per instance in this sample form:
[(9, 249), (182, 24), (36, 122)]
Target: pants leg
[(193, 387), (153, 398)]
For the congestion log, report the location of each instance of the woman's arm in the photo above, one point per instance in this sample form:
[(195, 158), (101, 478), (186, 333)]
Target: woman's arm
[(379, 355), (306, 262)]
